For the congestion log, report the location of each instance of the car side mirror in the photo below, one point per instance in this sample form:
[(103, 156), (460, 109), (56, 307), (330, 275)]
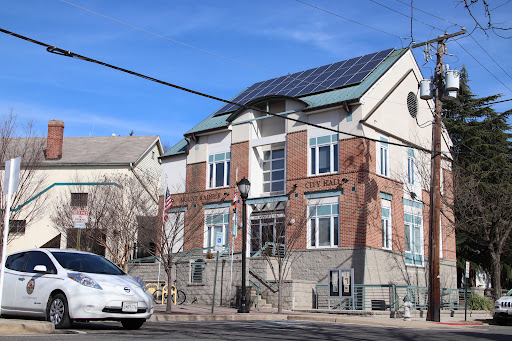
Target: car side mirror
[(40, 269)]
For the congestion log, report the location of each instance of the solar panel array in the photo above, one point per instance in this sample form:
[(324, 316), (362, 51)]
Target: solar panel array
[(327, 77)]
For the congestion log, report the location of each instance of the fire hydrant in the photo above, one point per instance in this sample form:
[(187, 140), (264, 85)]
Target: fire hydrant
[(407, 308)]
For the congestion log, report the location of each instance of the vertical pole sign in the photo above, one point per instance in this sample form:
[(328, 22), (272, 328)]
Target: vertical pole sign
[(219, 242), (11, 181), (80, 218), (466, 280)]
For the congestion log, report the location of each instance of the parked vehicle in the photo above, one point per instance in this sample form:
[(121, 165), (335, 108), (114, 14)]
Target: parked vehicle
[(67, 285), (503, 308)]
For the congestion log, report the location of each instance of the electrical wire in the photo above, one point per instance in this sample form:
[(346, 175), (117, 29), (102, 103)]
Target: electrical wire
[(432, 15), (405, 15), (391, 9), (487, 53), (67, 53), (172, 40), (476, 60), (351, 20)]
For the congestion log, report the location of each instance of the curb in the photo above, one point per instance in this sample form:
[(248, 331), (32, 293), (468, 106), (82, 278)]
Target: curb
[(20, 327), (397, 323)]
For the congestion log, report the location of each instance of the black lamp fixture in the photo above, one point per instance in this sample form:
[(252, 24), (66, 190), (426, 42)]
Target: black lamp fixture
[(244, 186)]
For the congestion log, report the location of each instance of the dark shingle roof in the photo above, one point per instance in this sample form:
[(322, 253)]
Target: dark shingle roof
[(103, 149)]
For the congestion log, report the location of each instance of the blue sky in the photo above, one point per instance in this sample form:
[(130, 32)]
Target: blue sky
[(231, 45)]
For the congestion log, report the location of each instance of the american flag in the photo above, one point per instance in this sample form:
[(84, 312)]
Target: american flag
[(168, 203)]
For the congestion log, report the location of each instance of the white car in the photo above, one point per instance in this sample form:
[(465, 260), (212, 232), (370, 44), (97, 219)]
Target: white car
[(503, 308), (66, 285)]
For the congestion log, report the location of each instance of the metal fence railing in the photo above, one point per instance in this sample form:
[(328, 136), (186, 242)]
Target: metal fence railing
[(387, 297)]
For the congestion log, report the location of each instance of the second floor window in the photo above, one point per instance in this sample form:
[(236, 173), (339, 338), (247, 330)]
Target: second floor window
[(273, 171), (219, 170), (324, 225), (324, 154), (79, 199)]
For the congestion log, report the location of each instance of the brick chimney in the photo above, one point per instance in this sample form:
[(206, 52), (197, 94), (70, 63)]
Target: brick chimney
[(54, 140)]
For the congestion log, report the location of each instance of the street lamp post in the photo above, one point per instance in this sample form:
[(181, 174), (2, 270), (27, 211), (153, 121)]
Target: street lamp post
[(244, 186)]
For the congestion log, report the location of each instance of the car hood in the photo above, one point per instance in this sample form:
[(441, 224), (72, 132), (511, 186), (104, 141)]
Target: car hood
[(113, 280), (505, 299)]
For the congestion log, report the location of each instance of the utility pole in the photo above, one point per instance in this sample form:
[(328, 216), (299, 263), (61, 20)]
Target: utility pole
[(434, 281)]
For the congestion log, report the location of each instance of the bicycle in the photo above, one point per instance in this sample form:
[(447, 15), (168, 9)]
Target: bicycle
[(160, 295)]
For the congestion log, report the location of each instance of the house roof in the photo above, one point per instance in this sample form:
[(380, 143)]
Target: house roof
[(333, 96), (103, 150)]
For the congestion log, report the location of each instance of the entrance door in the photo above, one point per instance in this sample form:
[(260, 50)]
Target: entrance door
[(266, 234)]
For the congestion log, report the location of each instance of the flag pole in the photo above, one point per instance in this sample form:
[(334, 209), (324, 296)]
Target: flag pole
[(233, 232)]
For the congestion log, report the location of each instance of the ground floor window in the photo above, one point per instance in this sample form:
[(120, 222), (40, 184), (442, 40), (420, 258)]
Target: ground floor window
[(217, 222), (323, 227), (413, 220), (267, 233)]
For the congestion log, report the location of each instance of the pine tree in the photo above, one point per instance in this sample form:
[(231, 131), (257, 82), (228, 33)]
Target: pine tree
[(483, 181)]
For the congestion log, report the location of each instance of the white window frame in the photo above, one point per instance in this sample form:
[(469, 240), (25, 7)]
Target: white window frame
[(416, 254), (215, 219), (315, 143), (270, 171), (213, 161), (317, 209), (386, 224), (383, 157)]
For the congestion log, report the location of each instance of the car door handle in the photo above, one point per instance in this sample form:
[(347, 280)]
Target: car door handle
[(21, 279)]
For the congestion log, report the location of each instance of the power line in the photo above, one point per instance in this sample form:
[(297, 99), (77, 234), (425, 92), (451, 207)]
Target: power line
[(432, 15), (172, 40), (351, 20), (191, 46), (391, 9), (405, 15), (61, 52), (476, 60), (487, 53)]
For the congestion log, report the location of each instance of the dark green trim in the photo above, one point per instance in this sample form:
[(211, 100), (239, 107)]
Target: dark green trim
[(65, 184)]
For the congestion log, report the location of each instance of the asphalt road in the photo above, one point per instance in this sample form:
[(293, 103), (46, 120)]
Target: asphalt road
[(266, 330)]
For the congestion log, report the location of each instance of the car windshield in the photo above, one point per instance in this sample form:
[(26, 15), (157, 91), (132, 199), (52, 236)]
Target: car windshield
[(83, 262)]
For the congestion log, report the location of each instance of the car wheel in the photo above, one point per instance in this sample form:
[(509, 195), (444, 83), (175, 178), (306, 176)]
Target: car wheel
[(57, 311), (132, 324)]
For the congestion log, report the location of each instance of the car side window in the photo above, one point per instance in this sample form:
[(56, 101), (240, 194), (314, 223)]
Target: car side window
[(17, 261), (40, 258)]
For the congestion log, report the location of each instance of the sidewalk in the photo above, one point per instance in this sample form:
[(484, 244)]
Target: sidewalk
[(196, 312)]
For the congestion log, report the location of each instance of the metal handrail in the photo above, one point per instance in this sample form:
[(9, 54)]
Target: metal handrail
[(191, 254), (451, 299), (258, 292), (263, 280)]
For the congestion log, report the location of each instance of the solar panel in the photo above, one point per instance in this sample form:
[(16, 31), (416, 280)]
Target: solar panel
[(327, 77)]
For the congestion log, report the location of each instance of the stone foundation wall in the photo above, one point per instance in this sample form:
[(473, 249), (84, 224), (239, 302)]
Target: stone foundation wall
[(371, 266)]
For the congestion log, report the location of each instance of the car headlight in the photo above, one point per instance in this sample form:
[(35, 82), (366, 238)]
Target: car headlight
[(84, 280), (141, 283)]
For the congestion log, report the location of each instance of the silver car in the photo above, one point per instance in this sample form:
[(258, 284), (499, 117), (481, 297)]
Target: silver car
[(66, 285)]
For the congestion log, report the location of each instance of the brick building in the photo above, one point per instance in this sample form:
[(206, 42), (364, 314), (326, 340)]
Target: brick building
[(345, 171)]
